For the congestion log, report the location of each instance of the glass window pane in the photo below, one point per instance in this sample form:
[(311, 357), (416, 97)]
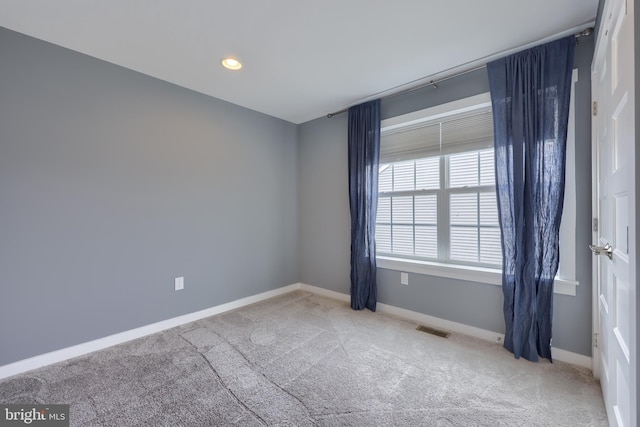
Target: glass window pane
[(426, 207), (407, 220), (384, 209), (403, 239), (490, 247), (385, 178), (402, 210), (464, 244), (428, 173), (487, 168), (464, 209), (463, 170), (427, 241), (488, 209), (403, 176), (383, 238)]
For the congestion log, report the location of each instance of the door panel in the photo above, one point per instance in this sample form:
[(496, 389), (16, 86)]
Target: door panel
[(614, 133)]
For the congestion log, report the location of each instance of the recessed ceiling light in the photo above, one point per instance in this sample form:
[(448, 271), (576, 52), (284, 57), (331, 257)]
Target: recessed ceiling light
[(231, 64)]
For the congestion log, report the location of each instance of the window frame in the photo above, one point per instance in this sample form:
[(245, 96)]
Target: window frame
[(443, 194), (478, 273), (449, 191)]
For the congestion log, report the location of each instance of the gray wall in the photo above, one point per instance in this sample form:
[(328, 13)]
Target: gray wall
[(112, 183), (324, 219)]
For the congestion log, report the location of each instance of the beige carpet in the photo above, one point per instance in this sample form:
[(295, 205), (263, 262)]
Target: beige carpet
[(303, 360)]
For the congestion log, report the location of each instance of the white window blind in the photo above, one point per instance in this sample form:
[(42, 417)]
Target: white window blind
[(474, 227), (461, 132), (437, 191)]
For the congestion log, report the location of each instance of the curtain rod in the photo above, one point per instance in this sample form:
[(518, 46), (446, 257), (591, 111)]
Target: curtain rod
[(584, 33)]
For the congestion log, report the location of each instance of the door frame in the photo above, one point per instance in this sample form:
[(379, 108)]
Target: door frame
[(595, 265)]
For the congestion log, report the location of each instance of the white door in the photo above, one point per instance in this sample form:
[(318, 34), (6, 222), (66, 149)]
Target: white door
[(614, 207)]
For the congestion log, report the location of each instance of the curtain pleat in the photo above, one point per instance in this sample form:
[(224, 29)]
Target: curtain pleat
[(364, 154), (530, 93)]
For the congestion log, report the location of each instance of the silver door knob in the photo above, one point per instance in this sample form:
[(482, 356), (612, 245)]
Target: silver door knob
[(607, 250)]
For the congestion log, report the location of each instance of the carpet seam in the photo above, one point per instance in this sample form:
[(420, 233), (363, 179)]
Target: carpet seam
[(258, 417), (253, 367)]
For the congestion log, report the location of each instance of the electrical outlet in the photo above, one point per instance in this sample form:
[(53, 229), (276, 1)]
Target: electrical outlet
[(179, 283), (404, 278)]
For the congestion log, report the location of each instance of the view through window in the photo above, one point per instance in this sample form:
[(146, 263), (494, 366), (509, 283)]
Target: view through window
[(437, 198)]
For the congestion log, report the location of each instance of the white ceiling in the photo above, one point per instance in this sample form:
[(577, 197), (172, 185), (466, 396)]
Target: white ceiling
[(302, 59)]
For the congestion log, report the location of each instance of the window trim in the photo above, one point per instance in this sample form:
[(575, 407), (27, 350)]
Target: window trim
[(476, 274), (490, 276), (439, 111)]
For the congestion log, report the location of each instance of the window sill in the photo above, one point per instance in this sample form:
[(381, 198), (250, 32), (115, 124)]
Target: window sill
[(462, 272)]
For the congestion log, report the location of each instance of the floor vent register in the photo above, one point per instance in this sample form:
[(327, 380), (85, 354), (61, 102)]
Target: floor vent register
[(433, 331)]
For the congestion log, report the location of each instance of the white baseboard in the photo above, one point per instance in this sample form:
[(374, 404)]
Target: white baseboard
[(121, 337), (35, 362), (448, 325), (325, 292), (572, 358)]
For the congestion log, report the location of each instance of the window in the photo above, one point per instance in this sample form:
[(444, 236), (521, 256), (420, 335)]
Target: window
[(442, 239), (436, 186)]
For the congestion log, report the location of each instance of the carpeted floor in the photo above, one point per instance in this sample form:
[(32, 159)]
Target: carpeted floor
[(302, 360)]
